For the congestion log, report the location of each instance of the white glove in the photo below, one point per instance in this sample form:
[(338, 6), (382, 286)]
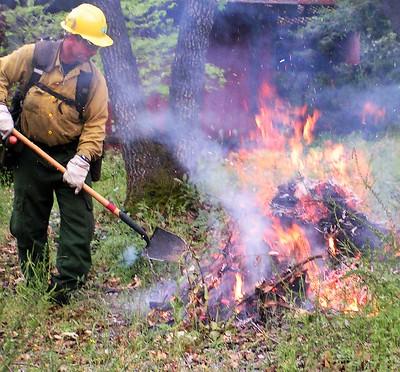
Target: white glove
[(6, 121), (77, 170)]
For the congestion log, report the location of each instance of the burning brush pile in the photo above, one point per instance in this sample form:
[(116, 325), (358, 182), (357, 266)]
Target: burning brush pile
[(315, 238), (314, 204)]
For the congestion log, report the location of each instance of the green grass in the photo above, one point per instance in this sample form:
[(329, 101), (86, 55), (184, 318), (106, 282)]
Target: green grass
[(369, 340), (5, 204), (95, 333)]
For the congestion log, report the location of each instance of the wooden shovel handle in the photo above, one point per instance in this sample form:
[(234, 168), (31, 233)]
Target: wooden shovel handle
[(102, 200)]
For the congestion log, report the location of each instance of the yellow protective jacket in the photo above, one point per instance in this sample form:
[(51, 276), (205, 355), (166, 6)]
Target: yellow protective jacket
[(43, 119)]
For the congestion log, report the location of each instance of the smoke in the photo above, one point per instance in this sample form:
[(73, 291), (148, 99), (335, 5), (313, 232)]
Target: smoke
[(129, 256), (205, 159), (346, 109), (206, 164), (142, 300)]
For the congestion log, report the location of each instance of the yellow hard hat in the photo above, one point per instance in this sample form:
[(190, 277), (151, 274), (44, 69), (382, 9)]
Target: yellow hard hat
[(89, 22)]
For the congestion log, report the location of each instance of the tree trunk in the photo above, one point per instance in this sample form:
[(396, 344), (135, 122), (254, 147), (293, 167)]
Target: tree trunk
[(188, 75), (3, 28), (147, 163), (187, 80)]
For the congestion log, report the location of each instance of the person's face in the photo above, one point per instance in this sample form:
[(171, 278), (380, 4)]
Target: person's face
[(77, 49)]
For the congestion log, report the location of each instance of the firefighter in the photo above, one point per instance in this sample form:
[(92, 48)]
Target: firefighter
[(73, 138)]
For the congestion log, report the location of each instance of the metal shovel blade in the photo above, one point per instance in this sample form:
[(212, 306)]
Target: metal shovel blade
[(164, 246)]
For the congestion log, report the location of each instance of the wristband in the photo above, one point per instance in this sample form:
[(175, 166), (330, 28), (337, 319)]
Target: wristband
[(85, 158)]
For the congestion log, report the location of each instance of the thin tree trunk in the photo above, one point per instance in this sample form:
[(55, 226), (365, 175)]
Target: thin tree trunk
[(187, 83), (147, 163), (3, 28), (188, 78)]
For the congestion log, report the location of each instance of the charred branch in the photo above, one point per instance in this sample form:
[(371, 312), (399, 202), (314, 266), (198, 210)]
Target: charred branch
[(328, 211)]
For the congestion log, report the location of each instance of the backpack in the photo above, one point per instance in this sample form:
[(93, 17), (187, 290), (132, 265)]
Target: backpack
[(44, 56)]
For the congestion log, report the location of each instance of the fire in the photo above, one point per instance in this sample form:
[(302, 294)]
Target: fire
[(238, 287), (279, 149), (341, 292), (291, 242), (277, 122), (295, 183), (372, 113), (309, 127)]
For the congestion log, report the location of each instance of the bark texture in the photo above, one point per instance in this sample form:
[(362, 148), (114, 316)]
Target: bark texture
[(3, 28), (187, 81), (147, 162), (188, 70)]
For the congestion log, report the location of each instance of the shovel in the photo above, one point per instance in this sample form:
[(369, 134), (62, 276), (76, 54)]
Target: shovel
[(162, 246)]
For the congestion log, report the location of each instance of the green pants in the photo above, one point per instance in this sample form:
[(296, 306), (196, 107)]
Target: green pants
[(35, 183)]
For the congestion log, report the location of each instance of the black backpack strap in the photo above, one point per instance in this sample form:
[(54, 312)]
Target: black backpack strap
[(68, 101), (82, 92), (44, 58), (45, 54)]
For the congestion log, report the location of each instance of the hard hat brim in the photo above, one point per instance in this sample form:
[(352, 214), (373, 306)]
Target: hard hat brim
[(101, 41)]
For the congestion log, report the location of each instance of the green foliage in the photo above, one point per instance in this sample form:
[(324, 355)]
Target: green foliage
[(112, 183), (30, 24), (318, 54), (150, 17), (380, 58), (111, 241), (154, 57), (222, 4), (331, 26), (215, 77), (5, 204), (154, 34)]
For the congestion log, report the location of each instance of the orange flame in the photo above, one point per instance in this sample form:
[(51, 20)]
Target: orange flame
[(280, 152), (293, 246), (238, 287), (277, 121), (342, 293), (309, 127)]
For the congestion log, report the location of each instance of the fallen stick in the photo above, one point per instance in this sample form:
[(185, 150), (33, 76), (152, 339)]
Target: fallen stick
[(294, 270)]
